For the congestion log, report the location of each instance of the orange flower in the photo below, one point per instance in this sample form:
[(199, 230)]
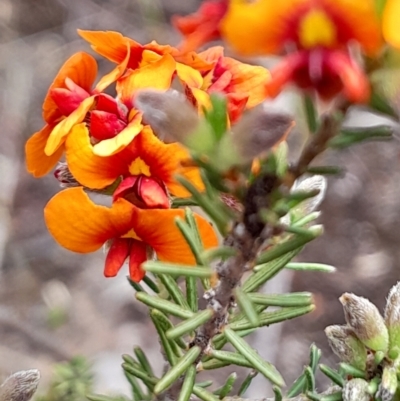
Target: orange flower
[(243, 84), (114, 123), (69, 97), (146, 155), (319, 31), (71, 86), (391, 22), (202, 26), (123, 50), (80, 225)]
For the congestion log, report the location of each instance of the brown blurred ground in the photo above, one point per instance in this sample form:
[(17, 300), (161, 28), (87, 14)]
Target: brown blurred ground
[(361, 215)]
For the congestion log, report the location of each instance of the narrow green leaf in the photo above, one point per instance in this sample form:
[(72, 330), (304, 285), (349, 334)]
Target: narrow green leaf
[(164, 305), (230, 357), (349, 136), (148, 381), (310, 379), (246, 383), (216, 116), (177, 370), (281, 156), (165, 343), (144, 362), (284, 300), (264, 367), (177, 269), (191, 293), (137, 392), (224, 390), (190, 324), (333, 397), (278, 393), (220, 340), (205, 384), (315, 267), (267, 271), (297, 387), (311, 114), (191, 239), (246, 306), (315, 356), (136, 286), (151, 284), (332, 374), (268, 318), (166, 325), (188, 383), (325, 170), (98, 397), (221, 252), (379, 103), (182, 202), (214, 364), (313, 396), (173, 289), (303, 221), (289, 245), (130, 360), (192, 223), (216, 210), (347, 369), (204, 394)]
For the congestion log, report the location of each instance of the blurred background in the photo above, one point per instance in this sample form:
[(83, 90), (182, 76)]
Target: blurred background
[(55, 305)]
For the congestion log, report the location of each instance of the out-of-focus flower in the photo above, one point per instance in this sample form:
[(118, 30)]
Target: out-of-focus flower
[(81, 226), (391, 22), (316, 34), (242, 84), (202, 26), (114, 123), (146, 155)]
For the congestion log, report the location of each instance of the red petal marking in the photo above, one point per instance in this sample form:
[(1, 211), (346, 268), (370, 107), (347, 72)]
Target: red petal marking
[(137, 256), (152, 193), (104, 125), (126, 185), (66, 100), (108, 103), (116, 256), (353, 80)]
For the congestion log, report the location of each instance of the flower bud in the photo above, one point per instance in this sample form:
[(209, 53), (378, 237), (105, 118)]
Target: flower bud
[(258, 131), (388, 385), (345, 344), (366, 321), (392, 319), (169, 114), (356, 390), (20, 386)]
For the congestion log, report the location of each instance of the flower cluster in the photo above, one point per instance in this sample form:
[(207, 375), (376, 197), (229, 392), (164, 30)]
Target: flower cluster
[(369, 344), (110, 148), (323, 41)]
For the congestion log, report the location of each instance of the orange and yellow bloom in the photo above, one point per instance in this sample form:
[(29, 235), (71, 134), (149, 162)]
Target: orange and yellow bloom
[(317, 35), (78, 224)]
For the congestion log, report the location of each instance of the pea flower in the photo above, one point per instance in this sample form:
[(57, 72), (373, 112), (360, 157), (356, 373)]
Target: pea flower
[(80, 225), (316, 37)]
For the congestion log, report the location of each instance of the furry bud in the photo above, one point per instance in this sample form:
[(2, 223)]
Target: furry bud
[(366, 321), (392, 320), (345, 344), (20, 386), (388, 385), (356, 390), (258, 131), (169, 114)]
